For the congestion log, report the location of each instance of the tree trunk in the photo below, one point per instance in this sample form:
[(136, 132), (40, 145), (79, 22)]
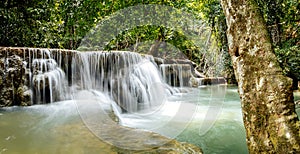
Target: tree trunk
[(271, 123), (154, 48)]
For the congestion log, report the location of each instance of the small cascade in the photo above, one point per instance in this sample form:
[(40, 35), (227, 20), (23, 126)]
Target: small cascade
[(48, 81), (177, 75), (145, 86), (99, 70)]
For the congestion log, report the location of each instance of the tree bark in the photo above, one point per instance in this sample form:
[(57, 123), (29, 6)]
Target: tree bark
[(270, 120)]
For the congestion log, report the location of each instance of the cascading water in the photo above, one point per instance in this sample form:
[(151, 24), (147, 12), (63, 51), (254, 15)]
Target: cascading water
[(123, 81), (176, 74), (131, 80), (46, 79), (122, 75)]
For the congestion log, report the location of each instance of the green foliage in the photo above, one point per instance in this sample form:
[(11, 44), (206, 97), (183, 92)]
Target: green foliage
[(64, 23), (212, 11), (133, 40), (289, 59), (283, 21), (51, 24)]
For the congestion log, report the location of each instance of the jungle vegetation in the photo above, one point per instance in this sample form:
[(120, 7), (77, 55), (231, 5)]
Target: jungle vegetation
[(64, 23)]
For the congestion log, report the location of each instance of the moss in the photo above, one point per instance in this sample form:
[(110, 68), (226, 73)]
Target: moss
[(266, 120), (20, 91)]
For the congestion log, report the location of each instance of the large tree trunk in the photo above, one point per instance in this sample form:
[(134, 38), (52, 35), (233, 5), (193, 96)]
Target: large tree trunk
[(266, 94)]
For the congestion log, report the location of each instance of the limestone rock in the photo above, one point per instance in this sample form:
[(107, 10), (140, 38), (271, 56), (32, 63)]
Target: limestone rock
[(12, 79)]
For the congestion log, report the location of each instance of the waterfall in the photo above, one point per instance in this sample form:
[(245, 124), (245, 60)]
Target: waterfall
[(177, 75), (125, 76), (46, 79), (133, 81)]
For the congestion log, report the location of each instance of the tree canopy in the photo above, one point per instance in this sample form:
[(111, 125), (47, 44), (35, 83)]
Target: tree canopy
[(64, 23)]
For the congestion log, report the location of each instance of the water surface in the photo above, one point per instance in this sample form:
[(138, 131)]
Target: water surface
[(58, 128)]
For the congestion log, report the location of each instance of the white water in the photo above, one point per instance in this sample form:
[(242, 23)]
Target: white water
[(58, 127), (176, 74), (133, 81), (134, 88), (46, 79), (225, 133), (48, 76)]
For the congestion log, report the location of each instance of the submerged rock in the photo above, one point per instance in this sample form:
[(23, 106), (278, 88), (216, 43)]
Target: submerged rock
[(171, 147), (83, 136), (124, 139)]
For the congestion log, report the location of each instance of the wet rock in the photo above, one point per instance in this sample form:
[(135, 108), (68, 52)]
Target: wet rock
[(213, 80), (83, 136), (177, 75), (181, 72), (16, 68), (12, 79)]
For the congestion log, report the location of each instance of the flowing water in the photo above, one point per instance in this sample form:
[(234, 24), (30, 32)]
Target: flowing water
[(58, 127), (52, 128), (127, 84), (225, 133)]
